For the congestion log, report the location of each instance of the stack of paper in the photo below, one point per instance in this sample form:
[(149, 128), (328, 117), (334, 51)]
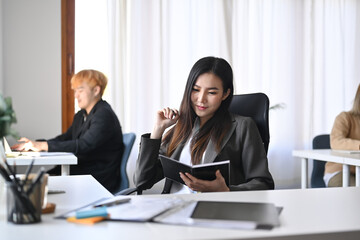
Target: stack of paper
[(174, 210)]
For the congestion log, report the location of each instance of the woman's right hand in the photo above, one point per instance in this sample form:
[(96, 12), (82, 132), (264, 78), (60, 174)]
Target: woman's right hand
[(165, 118)]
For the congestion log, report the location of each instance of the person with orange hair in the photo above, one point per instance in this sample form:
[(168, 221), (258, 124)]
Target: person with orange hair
[(95, 135)]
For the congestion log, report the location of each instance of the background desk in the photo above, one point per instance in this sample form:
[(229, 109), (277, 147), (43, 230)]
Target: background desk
[(64, 160), (306, 215), (328, 155)]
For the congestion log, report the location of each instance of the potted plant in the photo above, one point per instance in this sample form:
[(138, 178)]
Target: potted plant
[(7, 117)]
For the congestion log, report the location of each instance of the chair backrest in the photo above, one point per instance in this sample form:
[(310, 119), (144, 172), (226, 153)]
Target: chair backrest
[(128, 139), (256, 106), (319, 142)]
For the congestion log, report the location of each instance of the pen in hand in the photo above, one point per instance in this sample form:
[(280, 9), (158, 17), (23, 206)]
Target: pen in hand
[(117, 202)]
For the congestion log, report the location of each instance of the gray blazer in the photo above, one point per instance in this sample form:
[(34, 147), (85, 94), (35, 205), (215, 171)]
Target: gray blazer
[(242, 145)]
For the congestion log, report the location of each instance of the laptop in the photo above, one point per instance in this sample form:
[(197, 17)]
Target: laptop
[(10, 153)]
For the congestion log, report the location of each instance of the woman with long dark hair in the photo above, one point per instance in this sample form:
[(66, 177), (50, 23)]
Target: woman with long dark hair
[(205, 131)]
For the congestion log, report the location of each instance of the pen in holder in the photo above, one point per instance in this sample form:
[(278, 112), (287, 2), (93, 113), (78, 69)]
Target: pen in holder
[(23, 204), (23, 197)]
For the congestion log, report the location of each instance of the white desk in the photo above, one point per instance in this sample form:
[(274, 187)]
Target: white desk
[(64, 160), (306, 215), (328, 155)]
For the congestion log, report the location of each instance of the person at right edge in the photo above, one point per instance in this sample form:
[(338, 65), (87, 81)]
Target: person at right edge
[(345, 135), (204, 131)]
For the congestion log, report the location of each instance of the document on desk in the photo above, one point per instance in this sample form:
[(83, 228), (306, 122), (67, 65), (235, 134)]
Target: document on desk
[(35, 154), (176, 211), (44, 154), (142, 209), (137, 209), (347, 151)]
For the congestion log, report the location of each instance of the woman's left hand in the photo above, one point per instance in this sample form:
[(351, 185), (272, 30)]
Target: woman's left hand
[(195, 184)]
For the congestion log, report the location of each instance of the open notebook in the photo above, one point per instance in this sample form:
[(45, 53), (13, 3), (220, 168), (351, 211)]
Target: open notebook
[(11, 153)]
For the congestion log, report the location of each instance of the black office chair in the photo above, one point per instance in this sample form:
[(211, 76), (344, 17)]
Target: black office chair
[(254, 105), (128, 139), (319, 142)]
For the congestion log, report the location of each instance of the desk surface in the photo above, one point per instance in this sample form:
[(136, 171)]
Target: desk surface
[(345, 158), (68, 159), (306, 211), (64, 160), (329, 155)]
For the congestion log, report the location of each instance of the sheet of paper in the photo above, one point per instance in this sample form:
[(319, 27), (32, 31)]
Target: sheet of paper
[(347, 151), (142, 209), (137, 209), (44, 154)]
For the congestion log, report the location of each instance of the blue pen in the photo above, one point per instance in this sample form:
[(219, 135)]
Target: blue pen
[(95, 212)]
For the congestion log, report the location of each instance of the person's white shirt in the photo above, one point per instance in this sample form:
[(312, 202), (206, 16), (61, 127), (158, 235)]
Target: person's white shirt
[(185, 157)]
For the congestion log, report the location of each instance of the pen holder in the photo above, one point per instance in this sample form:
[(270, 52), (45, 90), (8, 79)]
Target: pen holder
[(23, 205)]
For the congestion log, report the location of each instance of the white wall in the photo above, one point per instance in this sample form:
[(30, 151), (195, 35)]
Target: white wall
[(31, 36)]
